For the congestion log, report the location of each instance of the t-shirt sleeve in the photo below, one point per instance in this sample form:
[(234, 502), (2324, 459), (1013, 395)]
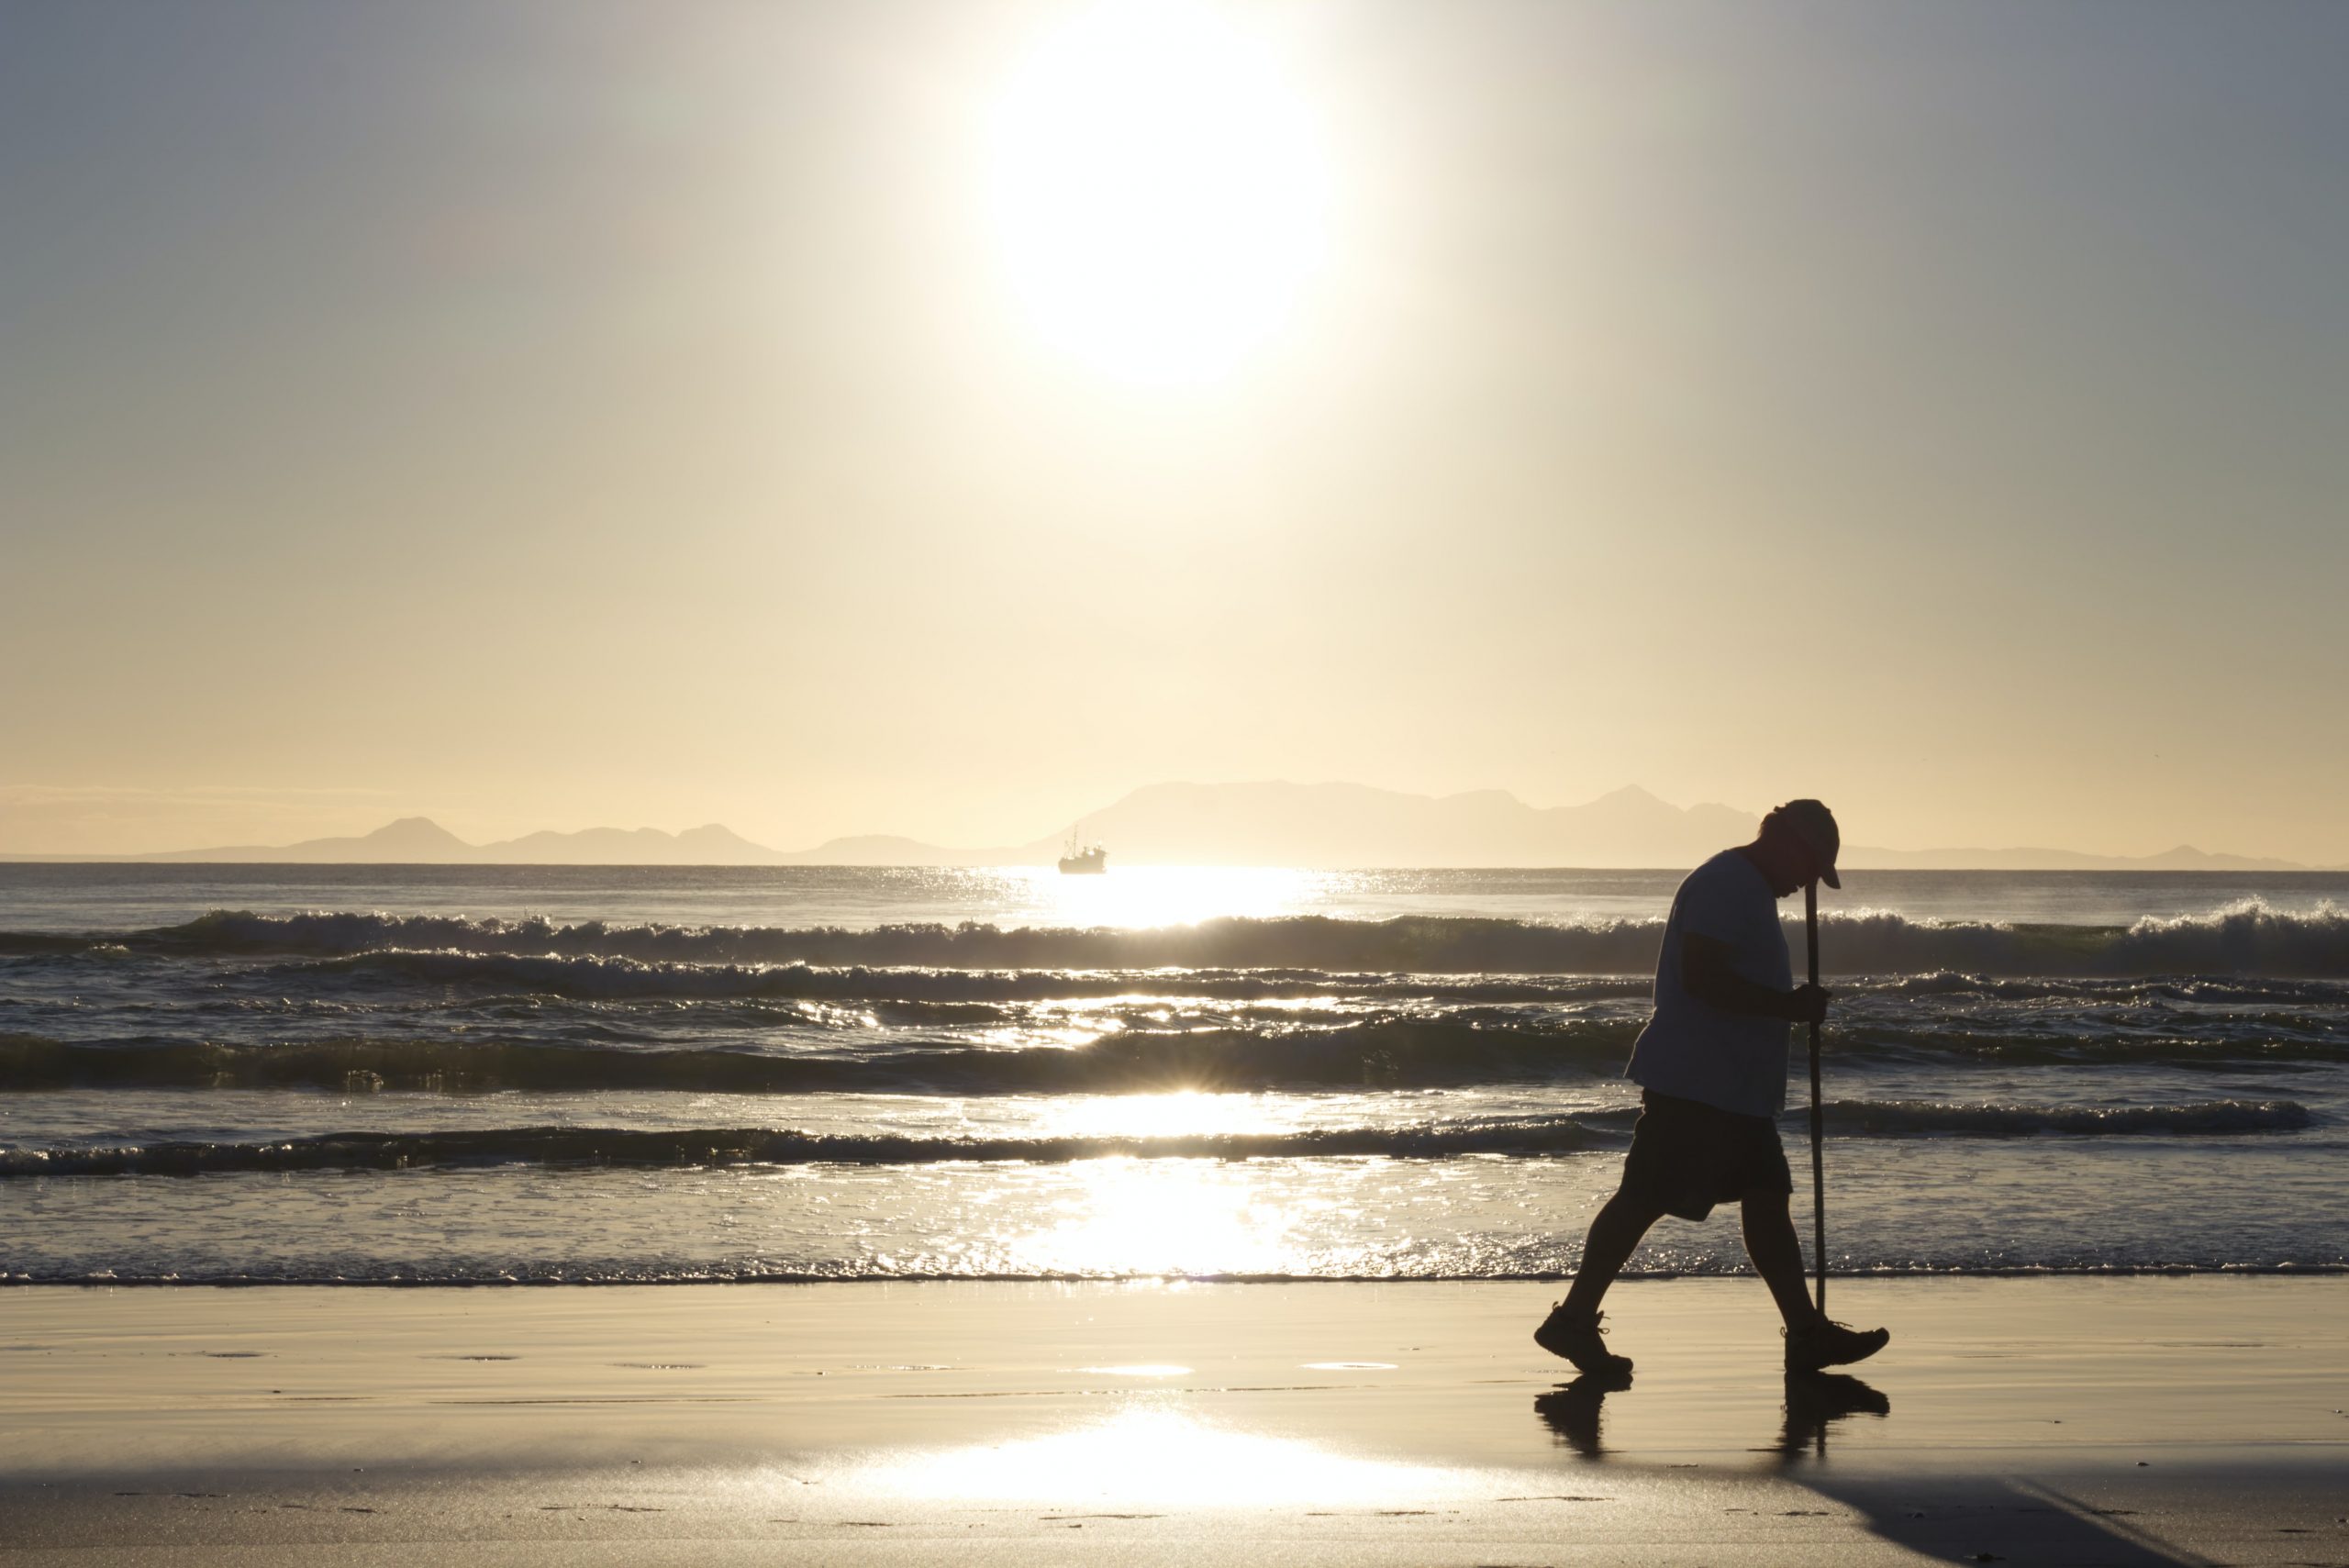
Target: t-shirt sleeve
[(1708, 906)]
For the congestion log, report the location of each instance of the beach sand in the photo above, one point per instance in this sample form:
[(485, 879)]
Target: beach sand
[(2060, 1420)]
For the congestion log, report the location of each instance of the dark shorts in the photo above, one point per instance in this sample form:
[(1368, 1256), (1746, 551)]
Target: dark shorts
[(1687, 1156)]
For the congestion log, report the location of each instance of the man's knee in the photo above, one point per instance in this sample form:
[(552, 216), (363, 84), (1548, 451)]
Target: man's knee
[(1627, 1210), (1636, 1205), (1763, 1201)]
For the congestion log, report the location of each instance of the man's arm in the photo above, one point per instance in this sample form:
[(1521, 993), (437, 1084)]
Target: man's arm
[(1705, 975)]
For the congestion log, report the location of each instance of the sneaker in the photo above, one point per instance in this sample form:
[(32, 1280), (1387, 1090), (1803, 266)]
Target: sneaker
[(1826, 1344), (1577, 1339)]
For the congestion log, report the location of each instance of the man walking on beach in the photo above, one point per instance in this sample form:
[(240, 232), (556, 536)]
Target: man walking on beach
[(1711, 1065)]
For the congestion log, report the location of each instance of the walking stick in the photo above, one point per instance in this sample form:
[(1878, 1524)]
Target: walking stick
[(1817, 1118)]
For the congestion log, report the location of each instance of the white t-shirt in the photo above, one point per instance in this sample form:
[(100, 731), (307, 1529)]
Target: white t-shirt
[(1736, 1061)]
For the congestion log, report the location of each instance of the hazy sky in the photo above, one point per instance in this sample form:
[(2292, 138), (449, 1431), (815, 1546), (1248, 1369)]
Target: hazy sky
[(560, 413)]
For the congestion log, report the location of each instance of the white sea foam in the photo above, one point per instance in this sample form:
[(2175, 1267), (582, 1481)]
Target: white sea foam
[(2249, 938)]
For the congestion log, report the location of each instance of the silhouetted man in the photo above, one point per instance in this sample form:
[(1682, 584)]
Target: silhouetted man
[(1711, 1066)]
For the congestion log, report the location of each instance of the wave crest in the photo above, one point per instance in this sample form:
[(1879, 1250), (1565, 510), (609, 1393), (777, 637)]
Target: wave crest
[(2246, 939), (1527, 1137), (1395, 1054), (2219, 1118)]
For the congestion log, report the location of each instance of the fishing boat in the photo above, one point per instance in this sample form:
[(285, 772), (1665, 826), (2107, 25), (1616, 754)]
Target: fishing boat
[(1083, 859)]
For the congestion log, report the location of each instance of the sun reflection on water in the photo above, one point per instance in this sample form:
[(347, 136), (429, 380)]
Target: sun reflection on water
[(1162, 1216), (1144, 896)]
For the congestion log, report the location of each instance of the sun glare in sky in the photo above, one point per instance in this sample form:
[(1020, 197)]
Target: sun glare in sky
[(1159, 194)]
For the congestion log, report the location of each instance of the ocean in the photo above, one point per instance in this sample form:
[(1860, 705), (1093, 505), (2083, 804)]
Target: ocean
[(526, 1075)]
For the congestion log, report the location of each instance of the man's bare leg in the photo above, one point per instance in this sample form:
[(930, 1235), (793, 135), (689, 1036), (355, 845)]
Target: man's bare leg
[(1572, 1328), (1614, 1236), (1813, 1343), (1777, 1251)]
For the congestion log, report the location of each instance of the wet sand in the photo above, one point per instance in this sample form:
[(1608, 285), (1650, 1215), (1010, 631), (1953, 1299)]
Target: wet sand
[(2036, 1420)]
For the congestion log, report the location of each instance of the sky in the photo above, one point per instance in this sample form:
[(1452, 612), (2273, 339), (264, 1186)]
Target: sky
[(942, 417)]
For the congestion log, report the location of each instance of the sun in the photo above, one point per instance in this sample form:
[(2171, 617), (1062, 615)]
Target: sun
[(1159, 195)]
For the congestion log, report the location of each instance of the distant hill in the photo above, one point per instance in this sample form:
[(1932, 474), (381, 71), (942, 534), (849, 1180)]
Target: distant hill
[(1352, 825), (411, 839), (2185, 857), (893, 850), (419, 840), (708, 845), (1271, 823)]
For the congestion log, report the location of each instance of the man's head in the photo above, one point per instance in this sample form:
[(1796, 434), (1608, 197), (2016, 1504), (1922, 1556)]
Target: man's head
[(1798, 844)]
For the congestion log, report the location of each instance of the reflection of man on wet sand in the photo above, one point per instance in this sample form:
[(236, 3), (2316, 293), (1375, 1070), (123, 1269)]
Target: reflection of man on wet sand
[(1712, 1067), (1815, 1402)]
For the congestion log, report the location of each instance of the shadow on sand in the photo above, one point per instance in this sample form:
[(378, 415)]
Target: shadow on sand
[(1982, 1518)]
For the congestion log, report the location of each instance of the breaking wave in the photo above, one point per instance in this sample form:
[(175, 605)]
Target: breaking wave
[(1530, 1136), (759, 1146), (606, 977), (2249, 939), (1401, 1054), (2215, 1119), (1395, 1053)]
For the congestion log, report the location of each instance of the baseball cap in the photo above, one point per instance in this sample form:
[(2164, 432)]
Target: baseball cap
[(1815, 826)]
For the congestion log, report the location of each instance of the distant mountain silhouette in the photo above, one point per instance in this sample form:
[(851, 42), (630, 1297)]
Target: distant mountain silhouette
[(419, 840), (1352, 825), (709, 844), (2185, 857), (1272, 824), (411, 839), (896, 850)]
